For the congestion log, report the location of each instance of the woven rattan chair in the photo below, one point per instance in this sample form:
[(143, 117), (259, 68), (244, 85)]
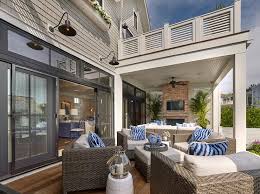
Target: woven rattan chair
[(168, 177), (85, 169)]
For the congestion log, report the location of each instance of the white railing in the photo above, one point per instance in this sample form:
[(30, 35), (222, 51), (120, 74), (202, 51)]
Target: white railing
[(212, 25)]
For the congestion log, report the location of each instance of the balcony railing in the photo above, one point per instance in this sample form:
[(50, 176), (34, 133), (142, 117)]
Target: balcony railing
[(209, 26)]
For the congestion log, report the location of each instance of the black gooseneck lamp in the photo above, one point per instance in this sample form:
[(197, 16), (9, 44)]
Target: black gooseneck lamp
[(34, 45), (114, 60), (65, 28)]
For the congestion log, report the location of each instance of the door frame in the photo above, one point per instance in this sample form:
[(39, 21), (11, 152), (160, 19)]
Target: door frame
[(21, 165), (4, 167)]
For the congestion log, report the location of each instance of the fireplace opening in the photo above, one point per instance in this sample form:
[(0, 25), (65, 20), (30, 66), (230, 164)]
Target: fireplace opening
[(174, 121)]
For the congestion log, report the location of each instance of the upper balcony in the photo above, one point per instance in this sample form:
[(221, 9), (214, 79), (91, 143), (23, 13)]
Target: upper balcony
[(212, 25)]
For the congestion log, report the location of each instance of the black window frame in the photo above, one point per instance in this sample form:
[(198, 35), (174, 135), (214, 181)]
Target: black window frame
[(135, 20)]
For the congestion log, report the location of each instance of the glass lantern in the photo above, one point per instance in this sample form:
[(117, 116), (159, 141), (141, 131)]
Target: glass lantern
[(119, 165)]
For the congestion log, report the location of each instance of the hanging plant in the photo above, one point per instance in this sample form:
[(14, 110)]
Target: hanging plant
[(95, 4)]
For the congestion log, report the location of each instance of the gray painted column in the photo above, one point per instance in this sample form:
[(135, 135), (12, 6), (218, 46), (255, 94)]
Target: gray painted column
[(239, 76), (216, 109)]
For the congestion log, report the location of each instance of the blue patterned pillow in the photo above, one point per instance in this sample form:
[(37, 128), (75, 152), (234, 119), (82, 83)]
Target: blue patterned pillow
[(208, 149), (95, 141), (137, 132), (200, 134)]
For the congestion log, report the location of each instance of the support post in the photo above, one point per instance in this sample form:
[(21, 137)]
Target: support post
[(216, 109), (118, 104), (239, 112), (237, 16)]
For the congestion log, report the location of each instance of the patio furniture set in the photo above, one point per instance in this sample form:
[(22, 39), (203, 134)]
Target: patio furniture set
[(169, 171)]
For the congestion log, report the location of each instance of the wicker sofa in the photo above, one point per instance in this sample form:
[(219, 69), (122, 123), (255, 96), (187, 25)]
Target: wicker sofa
[(168, 177), (86, 168), (180, 142)]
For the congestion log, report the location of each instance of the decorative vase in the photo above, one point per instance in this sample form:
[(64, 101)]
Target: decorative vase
[(119, 165), (152, 139), (165, 138)]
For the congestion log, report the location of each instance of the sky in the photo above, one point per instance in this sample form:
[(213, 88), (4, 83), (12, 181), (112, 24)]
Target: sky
[(172, 11)]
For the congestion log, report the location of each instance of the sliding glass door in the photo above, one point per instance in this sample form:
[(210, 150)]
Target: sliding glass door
[(33, 125)]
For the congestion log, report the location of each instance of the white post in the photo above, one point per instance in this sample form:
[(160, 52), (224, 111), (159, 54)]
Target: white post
[(197, 29), (141, 44), (216, 108), (237, 16), (239, 76), (166, 36), (118, 104)]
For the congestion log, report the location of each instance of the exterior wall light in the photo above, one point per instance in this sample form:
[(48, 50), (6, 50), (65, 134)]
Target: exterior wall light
[(66, 28), (114, 60)]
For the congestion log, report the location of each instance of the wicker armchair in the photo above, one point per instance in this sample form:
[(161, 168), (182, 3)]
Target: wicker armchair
[(122, 141), (168, 177), (85, 169)]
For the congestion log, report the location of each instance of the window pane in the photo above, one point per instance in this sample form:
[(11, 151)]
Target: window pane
[(105, 79), (18, 45), (63, 62), (90, 74)]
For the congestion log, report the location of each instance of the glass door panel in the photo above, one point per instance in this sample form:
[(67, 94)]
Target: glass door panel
[(33, 119), (21, 117), (39, 115), (104, 114)]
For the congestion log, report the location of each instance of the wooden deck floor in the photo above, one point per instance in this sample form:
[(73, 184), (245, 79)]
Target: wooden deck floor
[(49, 182)]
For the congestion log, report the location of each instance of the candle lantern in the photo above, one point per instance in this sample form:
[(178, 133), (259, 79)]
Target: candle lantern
[(119, 165)]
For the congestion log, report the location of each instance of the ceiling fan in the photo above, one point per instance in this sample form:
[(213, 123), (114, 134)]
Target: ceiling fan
[(173, 83)]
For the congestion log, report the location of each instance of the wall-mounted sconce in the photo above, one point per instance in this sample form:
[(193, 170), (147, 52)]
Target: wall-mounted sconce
[(114, 60), (34, 45), (66, 28)]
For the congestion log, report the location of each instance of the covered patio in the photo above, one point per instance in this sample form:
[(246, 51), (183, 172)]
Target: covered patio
[(202, 67)]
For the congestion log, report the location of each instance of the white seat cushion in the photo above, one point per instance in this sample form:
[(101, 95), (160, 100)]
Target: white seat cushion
[(182, 146), (132, 143), (210, 165), (171, 153)]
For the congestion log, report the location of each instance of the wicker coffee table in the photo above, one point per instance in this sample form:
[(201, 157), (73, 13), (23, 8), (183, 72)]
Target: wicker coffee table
[(143, 159)]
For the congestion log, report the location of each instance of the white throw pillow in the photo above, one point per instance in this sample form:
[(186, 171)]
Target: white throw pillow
[(83, 141), (210, 165)]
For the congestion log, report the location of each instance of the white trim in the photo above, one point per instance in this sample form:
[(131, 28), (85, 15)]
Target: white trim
[(8, 17), (29, 173)]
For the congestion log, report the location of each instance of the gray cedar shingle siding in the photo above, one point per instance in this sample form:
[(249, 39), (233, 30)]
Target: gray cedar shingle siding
[(90, 40)]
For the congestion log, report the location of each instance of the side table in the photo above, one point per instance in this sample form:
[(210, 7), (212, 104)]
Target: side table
[(120, 186)]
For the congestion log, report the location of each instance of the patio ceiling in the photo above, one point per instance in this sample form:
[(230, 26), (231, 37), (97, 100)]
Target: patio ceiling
[(204, 71)]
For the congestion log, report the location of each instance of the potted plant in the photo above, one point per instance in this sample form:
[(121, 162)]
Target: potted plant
[(199, 107), (154, 106)]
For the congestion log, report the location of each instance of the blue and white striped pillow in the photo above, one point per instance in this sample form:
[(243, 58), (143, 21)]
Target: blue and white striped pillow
[(95, 141), (137, 132), (208, 149), (200, 134)]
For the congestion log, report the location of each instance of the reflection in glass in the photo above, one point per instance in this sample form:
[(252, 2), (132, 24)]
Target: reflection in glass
[(105, 114), (63, 62), (18, 44), (90, 74), (105, 80), (38, 115), (22, 137)]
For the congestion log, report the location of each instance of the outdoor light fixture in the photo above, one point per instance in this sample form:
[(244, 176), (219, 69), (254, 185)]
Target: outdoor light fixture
[(113, 61), (66, 28), (34, 45)]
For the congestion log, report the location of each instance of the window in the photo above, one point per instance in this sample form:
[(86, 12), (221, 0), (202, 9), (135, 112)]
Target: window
[(21, 45), (135, 20), (128, 34), (100, 2)]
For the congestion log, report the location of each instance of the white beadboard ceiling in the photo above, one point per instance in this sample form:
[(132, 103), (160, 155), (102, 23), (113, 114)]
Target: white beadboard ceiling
[(204, 71)]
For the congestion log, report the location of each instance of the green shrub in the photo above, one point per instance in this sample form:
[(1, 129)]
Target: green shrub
[(252, 116), (227, 116), (255, 148)]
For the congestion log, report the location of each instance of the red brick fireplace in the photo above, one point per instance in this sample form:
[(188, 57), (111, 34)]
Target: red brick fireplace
[(180, 92)]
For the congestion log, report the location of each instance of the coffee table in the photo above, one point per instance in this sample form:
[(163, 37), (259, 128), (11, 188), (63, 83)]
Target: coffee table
[(143, 159)]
